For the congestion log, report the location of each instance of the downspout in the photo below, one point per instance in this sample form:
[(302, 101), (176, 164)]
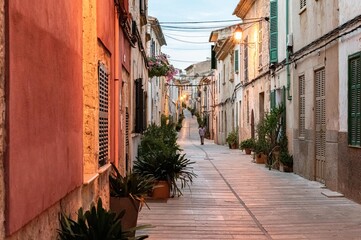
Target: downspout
[(116, 89), (289, 97)]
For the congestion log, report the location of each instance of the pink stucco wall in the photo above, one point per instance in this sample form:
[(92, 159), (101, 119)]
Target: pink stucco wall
[(44, 106)]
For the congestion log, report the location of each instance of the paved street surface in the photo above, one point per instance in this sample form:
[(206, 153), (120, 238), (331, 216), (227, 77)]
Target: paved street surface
[(234, 198)]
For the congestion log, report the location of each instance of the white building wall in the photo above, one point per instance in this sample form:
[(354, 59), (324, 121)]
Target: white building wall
[(348, 45)]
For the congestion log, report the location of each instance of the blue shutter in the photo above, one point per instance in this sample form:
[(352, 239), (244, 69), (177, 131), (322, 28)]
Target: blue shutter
[(273, 31)]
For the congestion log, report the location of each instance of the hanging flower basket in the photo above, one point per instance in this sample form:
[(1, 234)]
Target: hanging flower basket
[(159, 67)]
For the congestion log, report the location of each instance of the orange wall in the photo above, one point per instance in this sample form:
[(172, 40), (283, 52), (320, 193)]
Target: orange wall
[(106, 35), (44, 106)]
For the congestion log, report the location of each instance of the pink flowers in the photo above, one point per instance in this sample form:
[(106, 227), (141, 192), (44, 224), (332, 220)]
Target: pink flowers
[(159, 66)]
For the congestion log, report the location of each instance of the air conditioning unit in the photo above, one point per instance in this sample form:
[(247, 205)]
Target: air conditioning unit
[(290, 40)]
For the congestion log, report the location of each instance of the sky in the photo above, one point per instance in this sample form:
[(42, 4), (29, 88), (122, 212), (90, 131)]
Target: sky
[(188, 43)]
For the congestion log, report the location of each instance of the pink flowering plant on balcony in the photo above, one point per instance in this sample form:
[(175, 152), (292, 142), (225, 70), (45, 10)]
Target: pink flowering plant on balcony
[(159, 66)]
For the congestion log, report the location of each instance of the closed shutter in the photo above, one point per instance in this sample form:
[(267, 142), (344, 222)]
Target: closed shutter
[(302, 105), (273, 31), (139, 113), (273, 99), (213, 58), (320, 83), (103, 114), (236, 61), (354, 101)]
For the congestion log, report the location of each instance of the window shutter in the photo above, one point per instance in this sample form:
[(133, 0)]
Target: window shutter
[(103, 114), (273, 99), (213, 58), (273, 31), (236, 61), (302, 105), (138, 106), (354, 98)]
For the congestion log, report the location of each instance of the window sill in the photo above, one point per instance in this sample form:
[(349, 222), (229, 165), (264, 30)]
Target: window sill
[(302, 10), (90, 178)]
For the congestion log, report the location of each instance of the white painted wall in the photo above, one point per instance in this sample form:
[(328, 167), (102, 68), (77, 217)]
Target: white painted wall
[(348, 45)]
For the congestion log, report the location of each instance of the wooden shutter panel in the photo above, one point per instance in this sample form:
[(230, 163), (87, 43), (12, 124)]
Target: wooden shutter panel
[(213, 58), (354, 116), (103, 114), (302, 105), (273, 31), (236, 61), (273, 99)]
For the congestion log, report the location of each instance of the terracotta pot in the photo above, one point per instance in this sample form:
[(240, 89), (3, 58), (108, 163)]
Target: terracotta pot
[(261, 158), (131, 207), (161, 190), (285, 168), (248, 151)]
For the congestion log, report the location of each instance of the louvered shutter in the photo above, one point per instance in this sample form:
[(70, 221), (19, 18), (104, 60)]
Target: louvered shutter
[(103, 114), (273, 31), (354, 115), (236, 61), (302, 105)]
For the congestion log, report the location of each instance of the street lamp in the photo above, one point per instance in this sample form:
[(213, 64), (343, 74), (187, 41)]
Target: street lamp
[(237, 33)]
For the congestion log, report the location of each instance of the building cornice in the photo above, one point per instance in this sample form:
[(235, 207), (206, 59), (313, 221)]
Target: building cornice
[(243, 7)]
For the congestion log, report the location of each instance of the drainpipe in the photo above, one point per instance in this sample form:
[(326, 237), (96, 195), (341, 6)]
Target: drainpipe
[(116, 90), (289, 97)]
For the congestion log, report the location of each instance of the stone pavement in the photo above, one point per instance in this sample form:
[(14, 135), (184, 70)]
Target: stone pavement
[(234, 198)]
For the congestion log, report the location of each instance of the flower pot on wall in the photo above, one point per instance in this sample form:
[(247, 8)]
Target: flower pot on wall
[(131, 207), (161, 190)]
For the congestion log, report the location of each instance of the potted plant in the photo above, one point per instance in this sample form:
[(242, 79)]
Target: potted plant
[(128, 193), (159, 66), (96, 223), (286, 162), (247, 145), (160, 158), (232, 139), (261, 150), (166, 169)]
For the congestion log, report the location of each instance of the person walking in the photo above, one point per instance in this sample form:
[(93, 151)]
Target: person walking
[(202, 133)]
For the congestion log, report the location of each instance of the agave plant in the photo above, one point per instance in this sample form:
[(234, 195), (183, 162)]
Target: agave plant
[(132, 185), (167, 167), (95, 224)]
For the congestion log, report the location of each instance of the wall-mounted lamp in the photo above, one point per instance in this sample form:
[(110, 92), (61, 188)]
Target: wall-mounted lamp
[(237, 33)]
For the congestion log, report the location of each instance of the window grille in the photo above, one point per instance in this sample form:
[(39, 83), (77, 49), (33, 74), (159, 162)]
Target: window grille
[(103, 113), (302, 3)]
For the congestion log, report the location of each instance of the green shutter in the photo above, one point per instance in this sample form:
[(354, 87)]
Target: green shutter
[(354, 100), (236, 68), (273, 31), (273, 99)]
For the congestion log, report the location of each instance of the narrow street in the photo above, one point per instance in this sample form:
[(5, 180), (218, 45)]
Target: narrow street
[(234, 198)]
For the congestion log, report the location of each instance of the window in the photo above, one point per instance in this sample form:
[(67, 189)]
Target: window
[(273, 31), (302, 3), (260, 44), (103, 113), (236, 64), (354, 100), (246, 59), (301, 107)]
